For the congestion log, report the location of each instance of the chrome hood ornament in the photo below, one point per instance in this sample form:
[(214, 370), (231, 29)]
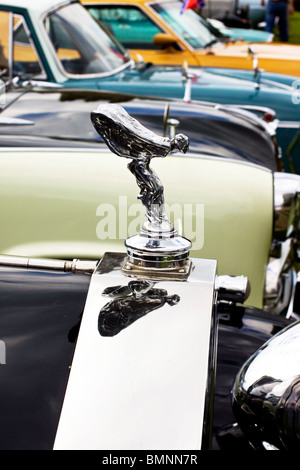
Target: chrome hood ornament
[(146, 344), (158, 245)]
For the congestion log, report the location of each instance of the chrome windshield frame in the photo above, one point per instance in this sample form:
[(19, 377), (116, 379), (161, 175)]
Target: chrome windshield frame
[(127, 65), (163, 2), (154, 12)]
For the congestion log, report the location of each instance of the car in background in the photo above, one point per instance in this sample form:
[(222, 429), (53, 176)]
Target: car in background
[(245, 34), (214, 8), (164, 34), (173, 53), (244, 13), (60, 43), (256, 10)]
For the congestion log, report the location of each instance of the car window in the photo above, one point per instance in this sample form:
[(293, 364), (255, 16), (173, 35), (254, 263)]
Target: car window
[(24, 58), (130, 25), (81, 44)]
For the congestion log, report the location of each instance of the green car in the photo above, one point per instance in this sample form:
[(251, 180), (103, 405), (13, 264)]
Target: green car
[(59, 42)]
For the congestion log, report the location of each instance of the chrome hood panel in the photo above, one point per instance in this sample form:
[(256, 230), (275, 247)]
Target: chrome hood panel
[(145, 387)]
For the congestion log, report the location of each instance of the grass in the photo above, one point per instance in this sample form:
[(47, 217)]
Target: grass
[(294, 29)]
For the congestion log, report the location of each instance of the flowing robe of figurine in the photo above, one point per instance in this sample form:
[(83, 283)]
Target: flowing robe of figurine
[(151, 191), (126, 137)]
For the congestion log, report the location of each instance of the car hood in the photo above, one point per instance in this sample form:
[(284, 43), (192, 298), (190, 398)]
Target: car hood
[(267, 51), (61, 118), (248, 34), (170, 82), (264, 77)]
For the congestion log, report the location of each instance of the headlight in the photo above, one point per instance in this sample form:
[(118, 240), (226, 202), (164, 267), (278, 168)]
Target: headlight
[(266, 394), (280, 279)]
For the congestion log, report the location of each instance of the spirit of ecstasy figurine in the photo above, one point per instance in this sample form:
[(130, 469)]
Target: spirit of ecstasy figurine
[(127, 138)]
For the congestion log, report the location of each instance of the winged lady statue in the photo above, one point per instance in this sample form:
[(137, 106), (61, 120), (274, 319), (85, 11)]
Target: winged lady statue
[(126, 137)]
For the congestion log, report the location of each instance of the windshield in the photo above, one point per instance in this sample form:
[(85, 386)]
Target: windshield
[(188, 25), (81, 44)]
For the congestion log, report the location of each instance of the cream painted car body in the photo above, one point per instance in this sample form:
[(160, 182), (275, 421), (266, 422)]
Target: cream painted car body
[(60, 204)]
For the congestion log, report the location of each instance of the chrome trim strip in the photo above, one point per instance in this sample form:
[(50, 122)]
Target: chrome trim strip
[(10, 45), (75, 266), (58, 6), (11, 121), (234, 289), (249, 113), (272, 83), (289, 124)]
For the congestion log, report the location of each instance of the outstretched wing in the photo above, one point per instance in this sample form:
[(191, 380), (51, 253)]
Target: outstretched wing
[(125, 136)]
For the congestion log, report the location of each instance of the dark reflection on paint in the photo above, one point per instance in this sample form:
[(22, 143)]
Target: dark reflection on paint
[(40, 316), (62, 119), (130, 303)]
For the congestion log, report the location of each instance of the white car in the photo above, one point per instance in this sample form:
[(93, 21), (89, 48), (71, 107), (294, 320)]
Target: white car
[(220, 8)]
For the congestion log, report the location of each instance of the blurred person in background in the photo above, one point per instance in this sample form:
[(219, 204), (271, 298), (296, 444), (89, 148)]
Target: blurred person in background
[(281, 10)]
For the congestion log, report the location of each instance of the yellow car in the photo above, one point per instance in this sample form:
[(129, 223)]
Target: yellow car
[(160, 33)]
